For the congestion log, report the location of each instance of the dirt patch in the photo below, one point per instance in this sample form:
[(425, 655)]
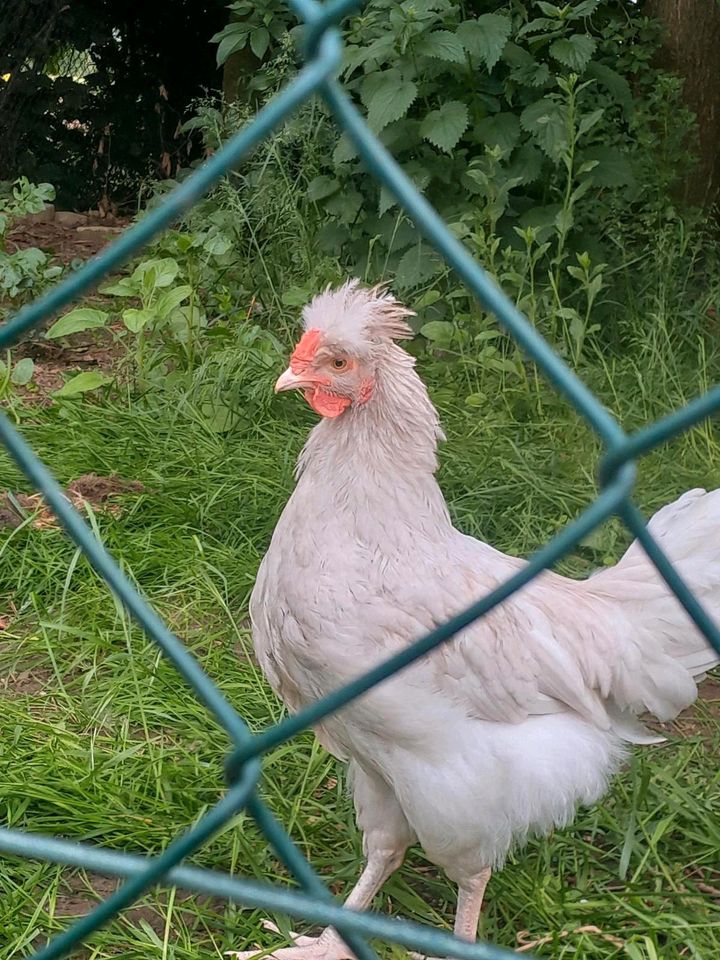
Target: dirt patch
[(100, 493), (66, 236), (55, 361), (84, 892), (30, 681)]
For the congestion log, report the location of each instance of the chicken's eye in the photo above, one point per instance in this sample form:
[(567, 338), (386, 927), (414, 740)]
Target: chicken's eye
[(339, 364)]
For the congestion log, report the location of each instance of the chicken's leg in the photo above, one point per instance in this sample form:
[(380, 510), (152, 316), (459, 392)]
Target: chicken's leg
[(386, 837), (329, 945), (467, 917)]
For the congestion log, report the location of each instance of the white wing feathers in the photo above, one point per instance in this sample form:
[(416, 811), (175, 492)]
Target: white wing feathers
[(609, 648)]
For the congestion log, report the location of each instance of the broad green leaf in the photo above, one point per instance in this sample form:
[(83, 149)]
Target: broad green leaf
[(525, 69), (386, 201), (156, 272), (499, 130), (613, 167), (615, 84), (185, 320), (575, 51), (428, 299), (83, 383), (526, 164), (165, 271), (387, 97), (438, 330), (345, 150), (231, 44), (345, 205), (83, 318), (584, 9), (172, 299), (216, 245), (418, 264), (322, 187), (218, 417), (123, 288), (442, 45), (546, 121), (549, 9), (485, 37), (536, 25), (445, 126), (380, 51), (259, 40), (136, 320), (296, 296), (420, 176), (22, 372)]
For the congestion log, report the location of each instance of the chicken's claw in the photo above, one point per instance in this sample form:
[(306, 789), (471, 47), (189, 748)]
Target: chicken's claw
[(328, 946)]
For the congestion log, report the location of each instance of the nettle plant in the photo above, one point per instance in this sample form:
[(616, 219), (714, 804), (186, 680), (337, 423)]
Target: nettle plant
[(532, 127), (507, 115)]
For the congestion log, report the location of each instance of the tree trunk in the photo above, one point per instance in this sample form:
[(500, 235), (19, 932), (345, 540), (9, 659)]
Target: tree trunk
[(691, 48)]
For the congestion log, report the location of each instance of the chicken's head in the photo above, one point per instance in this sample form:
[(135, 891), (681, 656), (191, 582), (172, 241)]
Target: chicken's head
[(348, 332)]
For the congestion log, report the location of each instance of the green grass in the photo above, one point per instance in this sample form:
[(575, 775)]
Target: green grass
[(100, 740)]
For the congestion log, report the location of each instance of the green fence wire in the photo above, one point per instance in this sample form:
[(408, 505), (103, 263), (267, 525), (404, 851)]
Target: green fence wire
[(314, 903)]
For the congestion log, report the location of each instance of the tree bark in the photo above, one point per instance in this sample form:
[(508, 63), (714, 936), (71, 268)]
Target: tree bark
[(691, 48)]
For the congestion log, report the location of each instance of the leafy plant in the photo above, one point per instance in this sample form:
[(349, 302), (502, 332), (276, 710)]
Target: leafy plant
[(23, 272), (531, 127)]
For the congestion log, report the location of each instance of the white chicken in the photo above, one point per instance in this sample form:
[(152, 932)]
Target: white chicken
[(501, 732)]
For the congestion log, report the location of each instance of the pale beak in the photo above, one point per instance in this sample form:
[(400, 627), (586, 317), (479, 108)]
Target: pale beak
[(289, 381)]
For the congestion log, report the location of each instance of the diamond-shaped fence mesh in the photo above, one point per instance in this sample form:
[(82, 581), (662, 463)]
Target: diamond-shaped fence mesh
[(314, 903)]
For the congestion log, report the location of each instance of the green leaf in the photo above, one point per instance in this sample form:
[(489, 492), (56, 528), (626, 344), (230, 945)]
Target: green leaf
[(136, 320), (123, 288), (345, 150), (172, 299), (438, 330), (185, 320), (485, 37), (574, 52), (156, 273), (584, 9), (545, 120), (259, 40), (345, 205), (22, 372), (445, 126), (549, 9), (500, 130), (231, 41), (216, 245), (387, 97), (537, 25), (613, 167), (590, 120), (83, 383), (77, 320), (526, 164), (418, 264), (442, 45), (296, 296), (322, 187), (615, 84)]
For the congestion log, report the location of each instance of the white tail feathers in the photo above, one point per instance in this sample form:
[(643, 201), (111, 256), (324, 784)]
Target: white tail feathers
[(662, 654)]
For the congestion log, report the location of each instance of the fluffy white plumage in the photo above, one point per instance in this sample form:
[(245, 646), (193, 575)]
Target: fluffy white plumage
[(503, 731)]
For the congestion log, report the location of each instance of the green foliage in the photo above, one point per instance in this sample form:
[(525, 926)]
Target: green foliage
[(24, 272), (531, 128)]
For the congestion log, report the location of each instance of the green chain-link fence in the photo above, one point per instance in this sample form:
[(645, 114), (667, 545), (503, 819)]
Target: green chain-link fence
[(323, 53)]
